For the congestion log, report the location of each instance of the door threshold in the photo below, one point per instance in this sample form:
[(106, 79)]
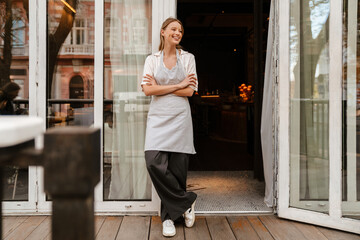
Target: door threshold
[(238, 213)]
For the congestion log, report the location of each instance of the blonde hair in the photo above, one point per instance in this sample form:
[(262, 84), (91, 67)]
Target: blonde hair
[(164, 26)]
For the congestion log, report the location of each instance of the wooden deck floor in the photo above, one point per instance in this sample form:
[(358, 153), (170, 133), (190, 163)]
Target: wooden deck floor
[(209, 227)]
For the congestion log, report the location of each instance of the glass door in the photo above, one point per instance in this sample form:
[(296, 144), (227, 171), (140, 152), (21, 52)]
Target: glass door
[(351, 111), (309, 105), (129, 32), (318, 175), (17, 55), (126, 44), (69, 88)]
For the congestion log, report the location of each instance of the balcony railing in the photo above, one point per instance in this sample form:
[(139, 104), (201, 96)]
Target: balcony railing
[(83, 49), (22, 50), (318, 112)]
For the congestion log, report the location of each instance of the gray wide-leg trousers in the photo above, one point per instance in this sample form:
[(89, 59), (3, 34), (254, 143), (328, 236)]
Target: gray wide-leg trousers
[(168, 172)]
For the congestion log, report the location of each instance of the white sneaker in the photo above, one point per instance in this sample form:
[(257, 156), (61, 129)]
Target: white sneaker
[(168, 228), (189, 216)]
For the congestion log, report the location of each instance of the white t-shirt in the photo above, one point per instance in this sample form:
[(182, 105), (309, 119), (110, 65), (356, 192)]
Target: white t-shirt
[(187, 59)]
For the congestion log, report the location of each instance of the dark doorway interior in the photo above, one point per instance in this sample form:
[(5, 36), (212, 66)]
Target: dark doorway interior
[(221, 36), (76, 90)]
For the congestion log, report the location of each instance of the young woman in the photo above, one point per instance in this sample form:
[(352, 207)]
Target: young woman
[(170, 78)]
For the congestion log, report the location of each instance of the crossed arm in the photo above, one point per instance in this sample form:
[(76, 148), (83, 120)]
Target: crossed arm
[(182, 89)]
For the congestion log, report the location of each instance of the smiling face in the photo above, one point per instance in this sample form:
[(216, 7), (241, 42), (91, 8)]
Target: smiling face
[(172, 34)]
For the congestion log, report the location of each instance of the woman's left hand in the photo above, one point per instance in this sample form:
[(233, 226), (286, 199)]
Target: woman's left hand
[(150, 80)]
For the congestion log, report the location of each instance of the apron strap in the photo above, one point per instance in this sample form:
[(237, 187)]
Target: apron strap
[(177, 54), (162, 55)]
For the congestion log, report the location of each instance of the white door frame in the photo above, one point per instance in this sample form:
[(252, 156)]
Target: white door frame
[(334, 219), (38, 82), (37, 76)]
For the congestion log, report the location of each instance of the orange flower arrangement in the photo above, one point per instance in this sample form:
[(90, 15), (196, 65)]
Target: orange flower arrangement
[(246, 92)]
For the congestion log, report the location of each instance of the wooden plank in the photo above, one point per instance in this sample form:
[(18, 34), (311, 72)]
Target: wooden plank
[(137, 227), (156, 230), (180, 232), (99, 221), (338, 235), (42, 230), (309, 231), (109, 228), (25, 228), (260, 229), (242, 228), (10, 224), (198, 231), (134, 228), (48, 237), (219, 228), (281, 229)]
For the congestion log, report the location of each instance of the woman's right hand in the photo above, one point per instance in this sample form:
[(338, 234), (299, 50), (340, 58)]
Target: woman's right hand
[(150, 80), (189, 80)]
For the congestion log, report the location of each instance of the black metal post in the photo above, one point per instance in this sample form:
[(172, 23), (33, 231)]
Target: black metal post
[(71, 158), (72, 169)]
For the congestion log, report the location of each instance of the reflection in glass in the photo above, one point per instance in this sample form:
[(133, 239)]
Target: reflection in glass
[(309, 104), (14, 83), (127, 42), (70, 72), (351, 110)]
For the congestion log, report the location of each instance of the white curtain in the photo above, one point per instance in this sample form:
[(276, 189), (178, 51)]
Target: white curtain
[(128, 29), (267, 115)]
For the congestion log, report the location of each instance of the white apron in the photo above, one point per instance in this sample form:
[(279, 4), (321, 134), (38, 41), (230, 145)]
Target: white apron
[(169, 125)]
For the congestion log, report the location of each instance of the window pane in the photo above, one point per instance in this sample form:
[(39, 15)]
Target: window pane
[(18, 31), (351, 110), (125, 105), (14, 74), (70, 72), (309, 104)]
